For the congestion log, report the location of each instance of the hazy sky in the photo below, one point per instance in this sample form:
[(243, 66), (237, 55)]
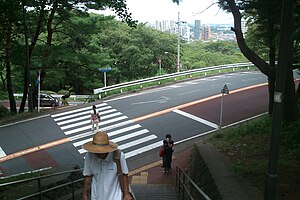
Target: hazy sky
[(151, 10)]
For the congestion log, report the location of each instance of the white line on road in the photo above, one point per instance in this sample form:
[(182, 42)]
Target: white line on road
[(137, 133), (162, 100), (2, 153), (130, 144), (123, 130), (198, 119), (131, 135), (84, 117), (80, 113), (136, 142), (143, 149), (86, 134), (102, 129), (88, 127), (76, 110)]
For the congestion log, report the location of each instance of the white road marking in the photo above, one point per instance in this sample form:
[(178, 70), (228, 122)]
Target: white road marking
[(191, 83), (2, 153), (143, 149), (101, 129), (123, 130), (189, 92), (130, 144), (76, 137), (73, 120), (89, 121), (80, 113), (134, 134), (163, 100), (198, 119), (75, 125), (174, 86), (131, 135), (136, 142), (110, 116), (77, 110), (83, 117)]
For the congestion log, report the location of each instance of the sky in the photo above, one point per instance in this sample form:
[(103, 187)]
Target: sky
[(190, 10)]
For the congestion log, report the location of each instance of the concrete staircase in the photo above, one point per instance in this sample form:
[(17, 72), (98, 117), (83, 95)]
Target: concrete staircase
[(155, 192)]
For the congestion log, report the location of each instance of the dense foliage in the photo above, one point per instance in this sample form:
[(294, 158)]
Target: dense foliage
[(245, 146), (86, 43)]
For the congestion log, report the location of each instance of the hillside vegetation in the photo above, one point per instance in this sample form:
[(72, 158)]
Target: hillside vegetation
[(247, 148)]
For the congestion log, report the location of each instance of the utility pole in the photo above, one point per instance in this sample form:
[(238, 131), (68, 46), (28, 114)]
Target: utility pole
[(178, 41), (178, 44), (284, 64)]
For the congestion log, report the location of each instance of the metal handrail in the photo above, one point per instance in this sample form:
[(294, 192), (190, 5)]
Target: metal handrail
[(183, 181), (173, 75), (41, 191)]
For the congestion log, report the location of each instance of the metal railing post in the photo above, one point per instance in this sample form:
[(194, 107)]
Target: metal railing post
[(183, 187), (73, 190), (39, 188)]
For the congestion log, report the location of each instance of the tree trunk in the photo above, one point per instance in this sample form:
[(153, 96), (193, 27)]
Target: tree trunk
[(12, 101), (29, 55), (3, 79), (291, 108)]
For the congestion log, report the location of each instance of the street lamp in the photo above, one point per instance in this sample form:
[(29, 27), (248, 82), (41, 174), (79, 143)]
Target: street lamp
[(178, 42), (159, 65), (166, 52)]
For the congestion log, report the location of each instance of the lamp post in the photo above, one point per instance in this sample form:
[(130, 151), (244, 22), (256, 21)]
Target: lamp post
[(176, 58), (178, 42), (159, 65)]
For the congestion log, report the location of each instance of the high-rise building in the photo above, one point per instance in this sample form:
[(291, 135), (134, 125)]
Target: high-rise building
[(244, 27), (206, 33), (197, 30), (158, 25)]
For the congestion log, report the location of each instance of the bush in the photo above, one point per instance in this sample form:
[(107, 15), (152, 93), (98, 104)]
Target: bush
[(4, 112), (3, 95)]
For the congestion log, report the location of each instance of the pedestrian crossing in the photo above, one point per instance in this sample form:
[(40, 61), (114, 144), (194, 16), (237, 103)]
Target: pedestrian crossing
[(131, 137)]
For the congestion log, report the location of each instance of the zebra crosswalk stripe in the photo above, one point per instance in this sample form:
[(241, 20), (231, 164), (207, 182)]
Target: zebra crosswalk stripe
[(76, 124)]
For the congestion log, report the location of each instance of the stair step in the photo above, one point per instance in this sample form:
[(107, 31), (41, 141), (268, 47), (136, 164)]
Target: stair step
[(154, 191)]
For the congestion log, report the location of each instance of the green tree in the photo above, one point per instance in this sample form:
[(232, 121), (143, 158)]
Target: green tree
[(270, 15), (40, 16)]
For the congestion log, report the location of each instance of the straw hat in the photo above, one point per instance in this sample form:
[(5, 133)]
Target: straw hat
[(100, 144)]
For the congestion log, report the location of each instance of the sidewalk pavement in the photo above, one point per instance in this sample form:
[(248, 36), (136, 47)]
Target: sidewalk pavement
[(153, 173), (230, 185)]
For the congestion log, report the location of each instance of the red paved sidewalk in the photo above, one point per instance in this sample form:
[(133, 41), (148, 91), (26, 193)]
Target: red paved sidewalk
[(153, 173)]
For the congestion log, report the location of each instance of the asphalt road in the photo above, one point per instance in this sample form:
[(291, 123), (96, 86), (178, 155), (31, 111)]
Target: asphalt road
[(137, 122)]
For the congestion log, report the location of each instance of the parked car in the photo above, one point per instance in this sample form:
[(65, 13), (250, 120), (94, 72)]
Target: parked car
[(47, 100)]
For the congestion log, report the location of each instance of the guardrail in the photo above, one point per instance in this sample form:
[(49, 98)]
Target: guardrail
[(26, 189), (74, 97), (173, 75), (187, 188), (153, 79)]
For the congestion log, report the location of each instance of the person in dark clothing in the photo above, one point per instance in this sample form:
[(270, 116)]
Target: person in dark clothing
[(168, 151)]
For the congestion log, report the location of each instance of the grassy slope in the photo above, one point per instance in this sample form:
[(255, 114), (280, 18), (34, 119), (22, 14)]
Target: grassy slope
[(247, 147)]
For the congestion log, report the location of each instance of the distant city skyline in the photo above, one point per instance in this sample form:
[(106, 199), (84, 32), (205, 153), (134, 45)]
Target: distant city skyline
[(190, 10)]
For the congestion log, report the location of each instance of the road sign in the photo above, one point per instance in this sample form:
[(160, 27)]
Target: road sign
[(106, 69)]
